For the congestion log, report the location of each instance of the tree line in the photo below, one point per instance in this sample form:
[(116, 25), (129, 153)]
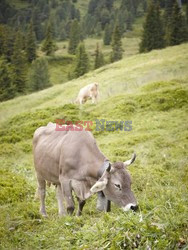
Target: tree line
[(167, 29), (22, 71)]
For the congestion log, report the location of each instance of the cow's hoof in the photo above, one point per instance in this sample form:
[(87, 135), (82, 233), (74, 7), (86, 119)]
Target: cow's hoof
[(62, 214), (101, 205), (44, 215), (100, 208), (78, 213), (70, 210)]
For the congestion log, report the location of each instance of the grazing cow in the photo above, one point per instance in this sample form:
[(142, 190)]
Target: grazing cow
[(72, 161), (88, 92)]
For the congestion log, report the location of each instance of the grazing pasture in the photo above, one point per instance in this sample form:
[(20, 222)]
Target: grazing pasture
[(151, 90)]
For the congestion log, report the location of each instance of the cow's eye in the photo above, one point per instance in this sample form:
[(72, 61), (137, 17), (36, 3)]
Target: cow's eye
[(118, 186)]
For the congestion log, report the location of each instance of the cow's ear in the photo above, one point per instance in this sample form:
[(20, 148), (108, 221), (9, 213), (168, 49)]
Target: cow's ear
[(99, 185), (102, 182)]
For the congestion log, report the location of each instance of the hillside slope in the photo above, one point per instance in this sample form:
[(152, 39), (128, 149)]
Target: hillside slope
[(124, 76), (151, 90)]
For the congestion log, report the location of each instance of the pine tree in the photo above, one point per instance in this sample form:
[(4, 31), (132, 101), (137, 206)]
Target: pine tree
[(2, 39), (74, 38), (37, 24), (153, 34), (167, 18), (6, 88), (99, 58), (49, 45), (18, 61), (177, 27), (107, 35), (31, 44), (168, 10), (38, 76), (117, 50), (187, 13), (159, 32), (82, 61), (9, 41)]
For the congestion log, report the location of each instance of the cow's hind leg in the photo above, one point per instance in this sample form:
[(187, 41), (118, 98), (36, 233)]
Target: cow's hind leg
[(59, 195), (42, 194), (81, 204)]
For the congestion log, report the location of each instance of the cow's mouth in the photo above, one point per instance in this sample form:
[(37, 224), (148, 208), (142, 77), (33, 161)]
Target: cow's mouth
[(130, 206)]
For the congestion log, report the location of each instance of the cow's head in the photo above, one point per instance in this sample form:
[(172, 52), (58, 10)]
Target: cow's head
[(116, 185)]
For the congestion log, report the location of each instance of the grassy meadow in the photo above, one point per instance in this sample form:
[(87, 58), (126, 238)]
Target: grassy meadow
[(151, 90)]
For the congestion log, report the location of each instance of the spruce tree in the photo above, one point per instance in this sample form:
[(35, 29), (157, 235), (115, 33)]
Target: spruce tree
[(153, 34), (18, 61), (2, 39), (38, 76), (117, 51), (49, 45), (187, 13), (6, 87), (82, 61), (31, 44), (168, 10), (74, 37), (37, 24), (107, 35), (160, 33), (167, 18), (9, 41), (177, 27), (99, 59)]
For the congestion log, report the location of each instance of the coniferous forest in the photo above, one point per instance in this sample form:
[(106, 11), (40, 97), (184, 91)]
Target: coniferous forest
[(34, 29)]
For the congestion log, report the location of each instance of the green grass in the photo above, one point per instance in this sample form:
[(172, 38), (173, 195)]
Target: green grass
[(151, 90), (59, 68)]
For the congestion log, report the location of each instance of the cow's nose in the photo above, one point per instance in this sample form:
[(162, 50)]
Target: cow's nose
[(134, 208)]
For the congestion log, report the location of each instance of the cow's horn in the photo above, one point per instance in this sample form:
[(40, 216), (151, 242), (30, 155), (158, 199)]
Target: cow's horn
[(108, 168), (129, 162)]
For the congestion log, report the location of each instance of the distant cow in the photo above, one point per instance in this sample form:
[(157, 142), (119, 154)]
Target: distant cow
[(72, 161), (88, 92)]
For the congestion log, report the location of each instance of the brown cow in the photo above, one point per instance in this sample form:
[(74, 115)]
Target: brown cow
[(88, 92), (73, 162)]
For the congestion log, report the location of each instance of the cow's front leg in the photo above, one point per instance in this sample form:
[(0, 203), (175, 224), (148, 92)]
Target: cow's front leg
[(59, 195), (42, 194), (67, 192), (81, 204), (102, 203), (94, 100)]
